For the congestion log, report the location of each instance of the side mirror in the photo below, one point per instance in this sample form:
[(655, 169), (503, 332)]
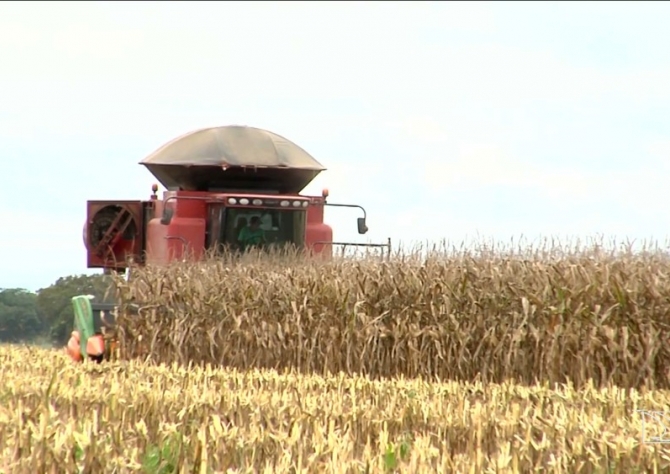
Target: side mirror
[(362, 227), (167, 216)]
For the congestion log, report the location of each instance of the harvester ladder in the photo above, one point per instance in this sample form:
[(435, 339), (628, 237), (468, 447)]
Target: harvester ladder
[(114, 232)]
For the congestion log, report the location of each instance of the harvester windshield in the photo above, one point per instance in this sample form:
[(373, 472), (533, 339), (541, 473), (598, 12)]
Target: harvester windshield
[(242, 228)]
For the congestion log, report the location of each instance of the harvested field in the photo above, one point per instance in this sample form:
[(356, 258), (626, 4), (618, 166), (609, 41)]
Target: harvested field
[(547, 315), (122, 417)]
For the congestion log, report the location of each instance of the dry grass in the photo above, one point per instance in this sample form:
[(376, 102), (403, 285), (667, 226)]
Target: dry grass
[(549, 315), (122, 417)]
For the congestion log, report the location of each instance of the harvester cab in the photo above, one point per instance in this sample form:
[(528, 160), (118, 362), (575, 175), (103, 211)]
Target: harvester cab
[(218, 182)]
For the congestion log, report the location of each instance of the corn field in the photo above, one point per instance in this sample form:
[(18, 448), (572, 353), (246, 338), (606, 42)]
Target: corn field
[(123, 417), (547, 360), (545, 315)]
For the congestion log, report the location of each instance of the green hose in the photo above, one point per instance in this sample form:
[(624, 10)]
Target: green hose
[(83, 321)]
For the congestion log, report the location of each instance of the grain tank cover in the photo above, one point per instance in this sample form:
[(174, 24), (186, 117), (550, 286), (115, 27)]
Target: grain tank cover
[(233, 158)]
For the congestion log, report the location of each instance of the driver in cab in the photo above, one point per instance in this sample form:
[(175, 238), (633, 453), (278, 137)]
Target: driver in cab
[(252, 234)]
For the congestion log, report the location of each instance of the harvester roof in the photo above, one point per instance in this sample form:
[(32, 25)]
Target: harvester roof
[(233, 157)]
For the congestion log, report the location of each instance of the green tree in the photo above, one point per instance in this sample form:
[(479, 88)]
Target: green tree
[(55, 302), (20, 318)]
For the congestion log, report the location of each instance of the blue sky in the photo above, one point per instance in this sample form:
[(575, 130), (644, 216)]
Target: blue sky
[(445, 120)]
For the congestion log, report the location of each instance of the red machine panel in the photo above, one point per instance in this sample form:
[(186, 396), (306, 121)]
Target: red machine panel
[(317, 231), (114, 232)]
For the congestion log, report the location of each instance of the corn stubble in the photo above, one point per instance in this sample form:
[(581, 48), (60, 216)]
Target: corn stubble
[(551, 315), (122, 417)]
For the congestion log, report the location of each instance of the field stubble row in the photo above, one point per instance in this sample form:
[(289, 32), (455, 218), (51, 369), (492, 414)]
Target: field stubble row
[(56, 416), (548, 315)]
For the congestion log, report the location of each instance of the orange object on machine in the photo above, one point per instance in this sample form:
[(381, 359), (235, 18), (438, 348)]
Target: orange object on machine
[(72, 348), (95, 347)]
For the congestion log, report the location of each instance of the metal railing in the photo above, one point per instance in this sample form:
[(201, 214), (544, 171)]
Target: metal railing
[(386, 246)]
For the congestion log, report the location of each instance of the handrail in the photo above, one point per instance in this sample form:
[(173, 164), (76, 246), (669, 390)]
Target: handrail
[(192, 198), (184, 243), (356, 244), (365, 214)]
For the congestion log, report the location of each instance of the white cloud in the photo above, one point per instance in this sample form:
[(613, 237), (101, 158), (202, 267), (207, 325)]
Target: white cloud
[(39, 247), (660, 151), (436, 117), (283, 54)]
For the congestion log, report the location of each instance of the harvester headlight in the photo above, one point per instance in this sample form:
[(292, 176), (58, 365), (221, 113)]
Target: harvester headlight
[(297, 204), (284, 204), (244, 201), (257, 202), (232, 201), (305, 203)]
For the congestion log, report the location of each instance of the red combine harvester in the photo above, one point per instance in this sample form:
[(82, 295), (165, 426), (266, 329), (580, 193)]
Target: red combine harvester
[(218, 180)]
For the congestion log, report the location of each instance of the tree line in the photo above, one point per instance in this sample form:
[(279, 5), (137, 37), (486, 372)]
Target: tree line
[(46, 316)]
